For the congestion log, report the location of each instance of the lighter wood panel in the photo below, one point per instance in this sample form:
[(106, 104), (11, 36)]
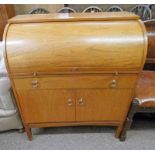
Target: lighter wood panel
[(101, 16), (102, 105)]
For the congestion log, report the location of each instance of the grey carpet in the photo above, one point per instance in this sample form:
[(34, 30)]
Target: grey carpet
[(141, 136)]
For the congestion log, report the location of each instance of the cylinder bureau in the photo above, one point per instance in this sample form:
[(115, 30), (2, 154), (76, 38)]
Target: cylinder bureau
[(74, 69)]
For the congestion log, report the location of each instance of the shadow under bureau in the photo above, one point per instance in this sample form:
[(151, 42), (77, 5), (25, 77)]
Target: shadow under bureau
[(74, 69)]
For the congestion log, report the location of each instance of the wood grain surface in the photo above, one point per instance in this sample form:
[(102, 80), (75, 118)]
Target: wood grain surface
[(75, 47)]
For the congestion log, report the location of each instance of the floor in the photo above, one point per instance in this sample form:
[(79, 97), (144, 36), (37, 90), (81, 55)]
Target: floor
[(141, 136)]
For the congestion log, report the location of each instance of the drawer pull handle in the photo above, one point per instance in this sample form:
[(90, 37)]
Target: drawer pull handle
[(69, 102), (81, 101), (35, 84), (35, 74), (113, 84)]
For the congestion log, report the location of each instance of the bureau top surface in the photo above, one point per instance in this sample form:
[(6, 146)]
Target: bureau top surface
[(104, 16)]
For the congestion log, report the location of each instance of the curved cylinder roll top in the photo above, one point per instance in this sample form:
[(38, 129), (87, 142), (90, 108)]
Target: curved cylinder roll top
[(49, 44)]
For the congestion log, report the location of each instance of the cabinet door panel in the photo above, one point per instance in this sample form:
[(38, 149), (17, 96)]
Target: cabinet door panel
[(47, 105), (102, 104)]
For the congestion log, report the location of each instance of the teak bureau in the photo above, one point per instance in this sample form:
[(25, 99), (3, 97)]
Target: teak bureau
[(74, 69)]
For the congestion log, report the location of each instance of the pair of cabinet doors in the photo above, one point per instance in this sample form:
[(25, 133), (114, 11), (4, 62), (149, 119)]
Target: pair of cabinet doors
[(74, 105)]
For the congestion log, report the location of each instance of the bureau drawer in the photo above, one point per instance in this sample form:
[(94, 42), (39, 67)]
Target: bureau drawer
[(77, 81)]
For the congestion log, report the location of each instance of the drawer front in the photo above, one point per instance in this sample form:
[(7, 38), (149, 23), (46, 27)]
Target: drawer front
[(77, 81)]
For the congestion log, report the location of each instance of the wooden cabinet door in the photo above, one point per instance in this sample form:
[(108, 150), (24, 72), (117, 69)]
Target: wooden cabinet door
[(102, 104), (47, 105)]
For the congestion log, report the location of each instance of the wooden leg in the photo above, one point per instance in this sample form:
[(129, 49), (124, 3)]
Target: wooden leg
[(29, 132), (126, 127), (129, 120), (118, 131)]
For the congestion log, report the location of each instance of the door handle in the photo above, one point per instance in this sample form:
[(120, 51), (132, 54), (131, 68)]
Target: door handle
[(113, 83), (34, 84), (81, 102), (69, 102)]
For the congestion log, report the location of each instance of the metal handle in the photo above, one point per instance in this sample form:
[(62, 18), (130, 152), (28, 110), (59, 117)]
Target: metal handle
[(69, 102), (35, 84), (113, 84), (81, 101)]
